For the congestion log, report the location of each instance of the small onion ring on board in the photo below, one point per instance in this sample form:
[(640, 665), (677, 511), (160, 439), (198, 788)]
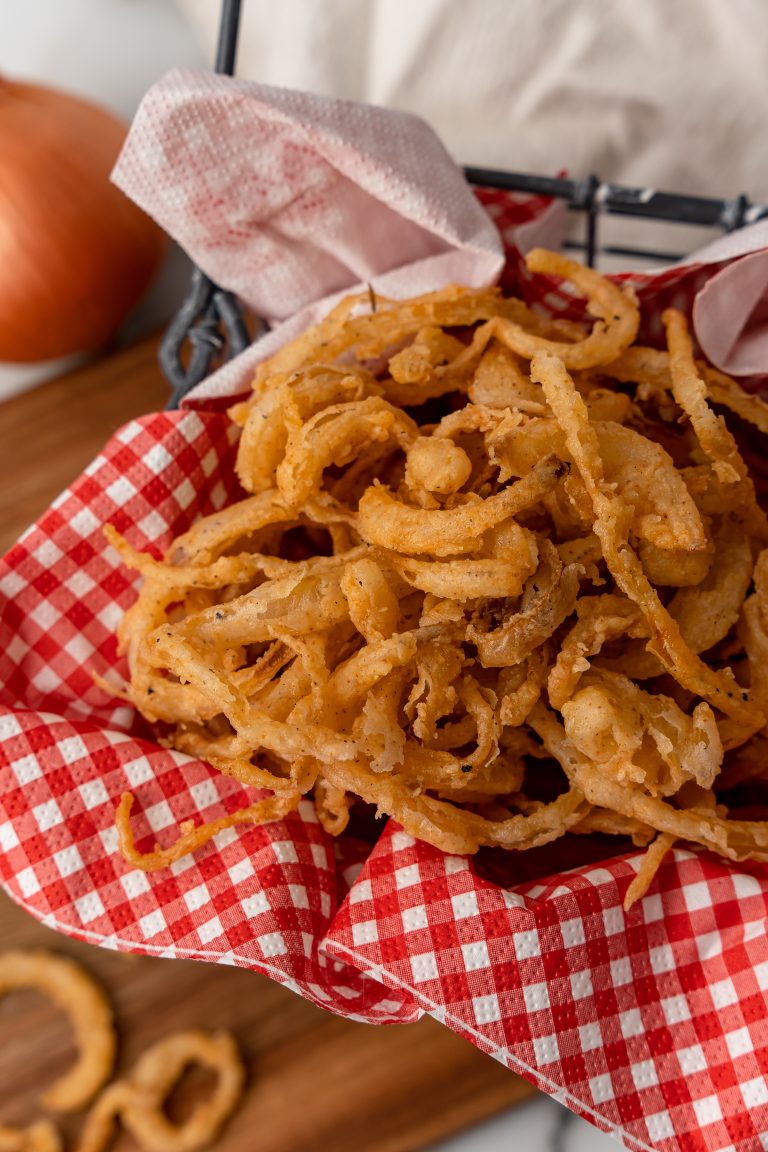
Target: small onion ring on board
[(139, 1100), (99, 1128), (40, 1136), (77, 994)]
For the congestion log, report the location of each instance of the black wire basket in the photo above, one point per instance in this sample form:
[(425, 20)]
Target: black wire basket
[(210, 325)]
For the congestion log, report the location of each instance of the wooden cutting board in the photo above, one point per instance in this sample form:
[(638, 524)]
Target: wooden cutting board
[(315, 1082)]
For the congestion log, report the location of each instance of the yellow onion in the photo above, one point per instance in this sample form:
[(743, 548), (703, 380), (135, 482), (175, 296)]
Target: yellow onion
[(75, 253)]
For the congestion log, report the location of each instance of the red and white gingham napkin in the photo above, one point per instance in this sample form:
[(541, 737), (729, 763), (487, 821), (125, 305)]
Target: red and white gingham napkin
[(653, 1025)]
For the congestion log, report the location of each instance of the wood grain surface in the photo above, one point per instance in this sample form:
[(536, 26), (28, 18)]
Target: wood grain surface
[(52, 432), (315, 1082)]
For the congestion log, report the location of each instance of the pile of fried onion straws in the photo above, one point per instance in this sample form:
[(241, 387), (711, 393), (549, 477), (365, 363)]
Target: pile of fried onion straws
[(477, 542)]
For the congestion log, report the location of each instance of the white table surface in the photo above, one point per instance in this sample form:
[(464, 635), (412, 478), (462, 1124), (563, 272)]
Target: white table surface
[(541, 1125)]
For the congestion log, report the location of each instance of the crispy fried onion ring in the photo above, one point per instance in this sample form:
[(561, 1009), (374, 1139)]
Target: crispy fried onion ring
[(292, 400), (436, 466), (690, 391), (640, 738), (666, 522), (76, 993), (615, 309), (693, 383), (700, 823), (611, 527), (40, 1136), (336, 435), (600, 619), (549, 597), (386, 521), (649, 369), (458, 831), (649, 866), (476, 577), (477, 538), (138, 1100)]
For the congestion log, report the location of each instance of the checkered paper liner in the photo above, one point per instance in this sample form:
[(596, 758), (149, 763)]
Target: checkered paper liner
[(652, 1025)]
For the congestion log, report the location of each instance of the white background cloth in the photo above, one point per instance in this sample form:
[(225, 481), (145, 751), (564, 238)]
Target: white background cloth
[(664, 92)]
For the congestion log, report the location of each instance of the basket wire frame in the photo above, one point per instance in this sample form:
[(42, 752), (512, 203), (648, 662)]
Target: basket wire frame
[(210, 324)]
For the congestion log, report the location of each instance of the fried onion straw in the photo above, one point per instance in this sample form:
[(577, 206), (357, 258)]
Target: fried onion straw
[(73, 991)]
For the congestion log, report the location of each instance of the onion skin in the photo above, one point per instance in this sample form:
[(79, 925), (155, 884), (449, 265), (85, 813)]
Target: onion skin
[(75, 253)]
